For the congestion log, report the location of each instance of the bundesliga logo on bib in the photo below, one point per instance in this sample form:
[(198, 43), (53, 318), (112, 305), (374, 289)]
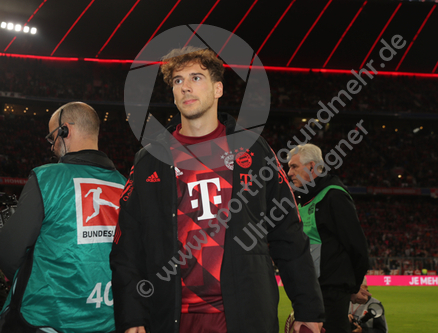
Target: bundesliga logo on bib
[(97, 209)]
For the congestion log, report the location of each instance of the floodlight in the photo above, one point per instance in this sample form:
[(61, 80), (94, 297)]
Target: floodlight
[(33, 31), (26, 29), (10, 26), (18, 27), (4, 24)]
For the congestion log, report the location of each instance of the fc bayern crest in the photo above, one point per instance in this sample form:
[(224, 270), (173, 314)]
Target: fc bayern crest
[(244, 159), (229, 161)]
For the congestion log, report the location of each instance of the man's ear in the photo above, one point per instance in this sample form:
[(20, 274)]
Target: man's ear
[(218, 89), (70, 127)]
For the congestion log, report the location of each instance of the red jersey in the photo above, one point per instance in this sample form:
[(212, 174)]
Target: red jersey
[(201, 193)]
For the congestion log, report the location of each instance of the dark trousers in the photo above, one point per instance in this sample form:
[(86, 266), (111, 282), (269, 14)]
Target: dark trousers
[(336, 303)]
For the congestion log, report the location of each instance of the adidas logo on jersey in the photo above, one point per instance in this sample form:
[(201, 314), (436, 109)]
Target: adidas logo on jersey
[(153, 178), (178, 172)]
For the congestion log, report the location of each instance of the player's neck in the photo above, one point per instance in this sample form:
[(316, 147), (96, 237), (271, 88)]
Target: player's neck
[(199, 127)]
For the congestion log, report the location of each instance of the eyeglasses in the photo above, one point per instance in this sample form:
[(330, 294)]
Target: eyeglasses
[(49, 137)]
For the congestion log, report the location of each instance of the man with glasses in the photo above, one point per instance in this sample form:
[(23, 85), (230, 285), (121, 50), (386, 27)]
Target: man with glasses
[(55, 247)]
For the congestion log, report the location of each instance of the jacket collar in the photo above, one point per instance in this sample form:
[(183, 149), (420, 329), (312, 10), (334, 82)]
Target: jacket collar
[(320, 184), (88, 157)]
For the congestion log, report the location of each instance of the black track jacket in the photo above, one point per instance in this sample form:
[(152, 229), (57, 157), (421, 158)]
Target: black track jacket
[(146, 241), (344, 252)]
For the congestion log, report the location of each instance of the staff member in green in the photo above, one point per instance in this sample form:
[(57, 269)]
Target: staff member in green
[(56, 246), (338, 244)]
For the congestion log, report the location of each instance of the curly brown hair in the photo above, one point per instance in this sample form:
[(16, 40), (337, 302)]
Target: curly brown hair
[(179, 58)]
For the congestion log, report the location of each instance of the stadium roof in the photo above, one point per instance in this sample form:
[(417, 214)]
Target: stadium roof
[(322, 34)]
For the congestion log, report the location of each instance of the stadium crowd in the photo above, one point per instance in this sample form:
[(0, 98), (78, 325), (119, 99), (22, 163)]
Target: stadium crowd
[(392, 159), (400, 227), (24, 147), (92, 81)]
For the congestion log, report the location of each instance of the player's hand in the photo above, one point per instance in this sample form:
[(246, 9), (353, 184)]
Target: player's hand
[(358, 329), (361, 297), (350, 318), (139, 329), (314, 327)]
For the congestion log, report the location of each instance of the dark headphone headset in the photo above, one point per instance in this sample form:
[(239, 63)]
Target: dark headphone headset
[(63, 130)]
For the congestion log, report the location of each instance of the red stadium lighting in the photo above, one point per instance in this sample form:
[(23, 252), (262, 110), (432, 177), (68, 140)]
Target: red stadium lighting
[(159, 27), (237, 27), (415, 37), (73, 25), (380, 35), (308, 32), (202, 22), (117, 28), (266, 68), (275, 27), (343, 35)]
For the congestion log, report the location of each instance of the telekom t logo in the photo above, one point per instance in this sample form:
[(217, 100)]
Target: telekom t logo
[(205, 199), (247, 181), (387, 280)]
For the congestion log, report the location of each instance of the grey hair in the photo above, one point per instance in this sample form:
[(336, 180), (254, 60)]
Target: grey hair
[(309, 153)]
